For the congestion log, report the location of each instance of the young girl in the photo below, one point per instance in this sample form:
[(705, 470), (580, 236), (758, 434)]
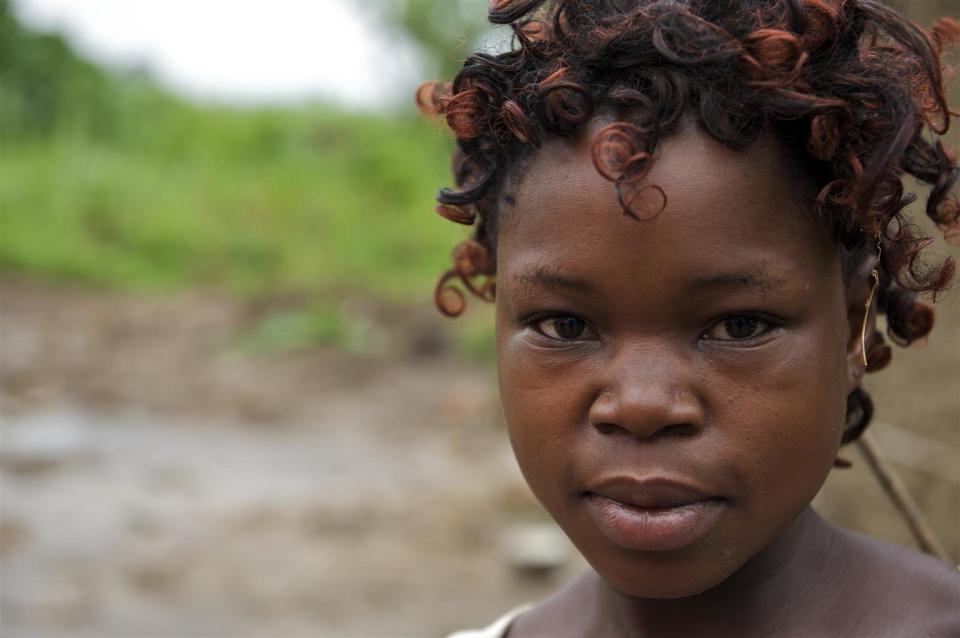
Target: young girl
[(694, 214)]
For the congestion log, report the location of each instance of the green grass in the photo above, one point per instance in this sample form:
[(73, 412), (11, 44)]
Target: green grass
[(311, 205), (107, 180), (255, 202)]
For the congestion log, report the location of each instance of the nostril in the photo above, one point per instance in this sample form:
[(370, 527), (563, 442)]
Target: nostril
[(680, 429), (676, 430), (647, 410), (607, 428)]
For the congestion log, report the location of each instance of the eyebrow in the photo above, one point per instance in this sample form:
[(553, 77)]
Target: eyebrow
[(553, 278), (738, 280), (544, 276)]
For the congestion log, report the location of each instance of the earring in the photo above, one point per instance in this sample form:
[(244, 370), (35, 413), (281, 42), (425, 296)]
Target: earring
[(875, 275)]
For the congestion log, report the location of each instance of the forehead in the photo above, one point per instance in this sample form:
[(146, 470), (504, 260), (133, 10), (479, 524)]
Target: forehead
[(724, 210)]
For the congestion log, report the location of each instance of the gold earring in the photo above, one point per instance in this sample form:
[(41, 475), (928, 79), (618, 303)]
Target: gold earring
[(875, 275)]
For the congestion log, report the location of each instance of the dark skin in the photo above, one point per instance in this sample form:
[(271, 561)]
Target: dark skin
[(713, 345)]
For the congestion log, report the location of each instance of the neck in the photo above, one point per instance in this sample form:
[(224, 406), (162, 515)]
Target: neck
[(774, 583)]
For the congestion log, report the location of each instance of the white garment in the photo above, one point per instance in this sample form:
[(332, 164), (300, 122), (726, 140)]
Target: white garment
[(497, 630)]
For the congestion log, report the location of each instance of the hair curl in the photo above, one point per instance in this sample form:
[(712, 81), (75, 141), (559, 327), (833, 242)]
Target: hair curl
[(855, 87)]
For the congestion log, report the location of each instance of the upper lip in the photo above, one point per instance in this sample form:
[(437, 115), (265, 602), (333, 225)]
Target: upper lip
[(651, 491)]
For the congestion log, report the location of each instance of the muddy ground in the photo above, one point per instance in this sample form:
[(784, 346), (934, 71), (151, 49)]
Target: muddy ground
[(158, 481)]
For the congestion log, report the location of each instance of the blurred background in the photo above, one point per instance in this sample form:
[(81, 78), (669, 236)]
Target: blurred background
[(227, 405)]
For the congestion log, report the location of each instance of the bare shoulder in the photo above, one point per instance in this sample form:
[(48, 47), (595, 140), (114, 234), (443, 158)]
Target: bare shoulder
[(896, 591), (871, 588)]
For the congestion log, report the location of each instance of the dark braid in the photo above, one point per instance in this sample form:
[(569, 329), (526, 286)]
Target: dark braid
[(851, 82)]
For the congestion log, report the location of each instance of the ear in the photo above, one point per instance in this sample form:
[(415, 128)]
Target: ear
[(861, 320)]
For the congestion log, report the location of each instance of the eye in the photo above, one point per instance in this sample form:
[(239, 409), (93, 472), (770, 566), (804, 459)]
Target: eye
[(562, 328), (737, 328)]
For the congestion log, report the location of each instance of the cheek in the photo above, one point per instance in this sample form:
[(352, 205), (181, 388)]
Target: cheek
[(785, 424), (545, 404)]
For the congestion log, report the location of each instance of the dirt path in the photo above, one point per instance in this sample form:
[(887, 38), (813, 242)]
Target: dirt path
[(157, 482)]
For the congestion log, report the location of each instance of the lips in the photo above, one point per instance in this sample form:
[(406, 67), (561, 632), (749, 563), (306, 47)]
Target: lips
[(654, 514)]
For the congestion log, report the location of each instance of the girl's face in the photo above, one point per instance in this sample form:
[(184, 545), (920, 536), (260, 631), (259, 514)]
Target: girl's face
[(675, 389)]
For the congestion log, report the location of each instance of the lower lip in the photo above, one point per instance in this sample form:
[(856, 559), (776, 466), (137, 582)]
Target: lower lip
[(654, 528)]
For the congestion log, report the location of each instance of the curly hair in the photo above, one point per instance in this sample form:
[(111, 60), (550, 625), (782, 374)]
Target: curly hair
[(852, 86)]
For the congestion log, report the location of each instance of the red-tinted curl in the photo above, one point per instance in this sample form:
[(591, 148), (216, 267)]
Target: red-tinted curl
[(622, 153), (566, 104), (466, 215), (945, 33), (908, 320), (951, 234), (879, 353), (448, 299), (555, 76), (821, 24), (619, 149), (686, 39), (518, 123), (844, 192), (824, 138), (474, 269), (531, 33), (465, 113), (430, 96), (776, 56), (946, 212)]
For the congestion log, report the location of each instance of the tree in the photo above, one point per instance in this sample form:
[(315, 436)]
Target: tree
[(446, 31)]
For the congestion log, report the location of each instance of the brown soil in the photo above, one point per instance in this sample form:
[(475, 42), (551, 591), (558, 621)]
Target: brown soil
[(158, 481)]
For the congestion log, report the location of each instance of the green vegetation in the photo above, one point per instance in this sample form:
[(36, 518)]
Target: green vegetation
[(254, 201), (108, 180), (445, 30)]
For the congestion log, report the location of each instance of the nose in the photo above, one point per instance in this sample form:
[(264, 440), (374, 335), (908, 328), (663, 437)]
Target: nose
[(646, 394)]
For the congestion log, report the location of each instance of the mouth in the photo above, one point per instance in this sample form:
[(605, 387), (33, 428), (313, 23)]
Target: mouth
[(653, 514)]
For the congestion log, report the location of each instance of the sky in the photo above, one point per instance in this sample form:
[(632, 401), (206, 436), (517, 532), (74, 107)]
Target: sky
[(246, 51)]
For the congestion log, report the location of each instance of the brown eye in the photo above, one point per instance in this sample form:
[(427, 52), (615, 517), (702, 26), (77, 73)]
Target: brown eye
[(563, 328), (737, 328), (741, 327)]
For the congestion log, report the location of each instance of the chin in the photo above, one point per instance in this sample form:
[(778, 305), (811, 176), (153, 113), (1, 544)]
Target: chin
[(669, 575)]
